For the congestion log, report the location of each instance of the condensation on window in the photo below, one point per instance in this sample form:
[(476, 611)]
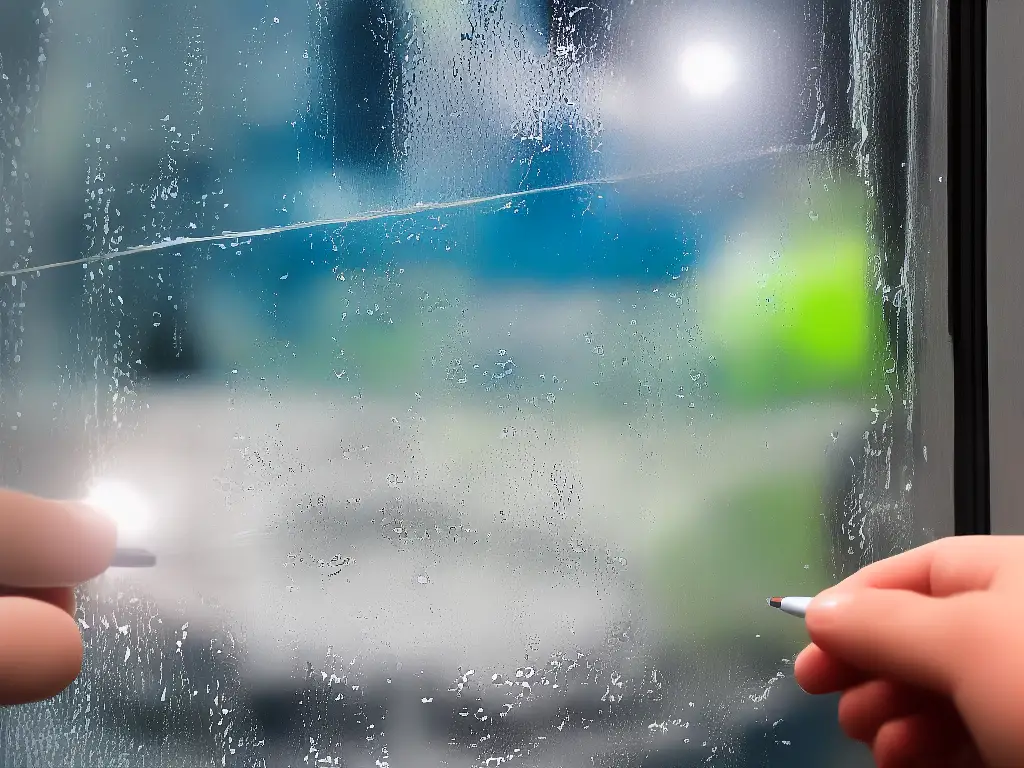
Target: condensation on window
[(475, 370)]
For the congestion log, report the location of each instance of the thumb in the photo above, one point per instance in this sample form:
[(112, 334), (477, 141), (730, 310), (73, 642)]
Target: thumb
[(894, 634)]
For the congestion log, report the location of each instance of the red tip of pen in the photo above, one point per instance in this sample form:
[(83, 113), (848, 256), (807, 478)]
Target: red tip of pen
[(775, 602)]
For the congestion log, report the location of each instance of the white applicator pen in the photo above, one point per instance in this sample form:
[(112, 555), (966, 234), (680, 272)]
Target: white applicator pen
[(794, 606)]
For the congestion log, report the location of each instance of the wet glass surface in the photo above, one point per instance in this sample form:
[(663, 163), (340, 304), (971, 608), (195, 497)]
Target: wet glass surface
[(475, 370)]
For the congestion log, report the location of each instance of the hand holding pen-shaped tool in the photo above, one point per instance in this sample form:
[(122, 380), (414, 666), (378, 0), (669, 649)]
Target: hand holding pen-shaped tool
[(47, 548)]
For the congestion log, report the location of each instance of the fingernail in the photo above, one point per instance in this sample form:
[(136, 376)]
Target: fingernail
[(101, 529), (82, 550), (99, 524), (825, 603), (823, 609), (796, 664)]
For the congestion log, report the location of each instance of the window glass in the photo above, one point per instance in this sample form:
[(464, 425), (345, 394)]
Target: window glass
[(475, 370)]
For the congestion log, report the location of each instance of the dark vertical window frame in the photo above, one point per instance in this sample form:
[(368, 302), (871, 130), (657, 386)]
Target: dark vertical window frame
[(968, 305)]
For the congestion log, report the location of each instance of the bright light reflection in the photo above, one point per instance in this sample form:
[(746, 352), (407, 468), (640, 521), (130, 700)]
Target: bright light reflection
[(123, 504), (708, 69)]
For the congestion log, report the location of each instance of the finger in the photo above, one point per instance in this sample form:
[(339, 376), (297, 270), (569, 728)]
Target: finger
[(61, 597), (40, 650), (865, 708), (818, 673), (50, 543), (941, 568), (895, 634), (934, 738)]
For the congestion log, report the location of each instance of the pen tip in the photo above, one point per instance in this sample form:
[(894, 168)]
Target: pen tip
[(775, 602), (132, 557)]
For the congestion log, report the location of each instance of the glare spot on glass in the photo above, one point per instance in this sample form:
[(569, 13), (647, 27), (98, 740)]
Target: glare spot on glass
[(123, 504), (708, 69)]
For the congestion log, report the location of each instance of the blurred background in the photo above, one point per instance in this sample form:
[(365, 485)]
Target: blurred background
[(476, 370)]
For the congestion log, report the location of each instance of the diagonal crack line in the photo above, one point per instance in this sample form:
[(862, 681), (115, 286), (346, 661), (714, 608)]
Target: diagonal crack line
[(178, 242)]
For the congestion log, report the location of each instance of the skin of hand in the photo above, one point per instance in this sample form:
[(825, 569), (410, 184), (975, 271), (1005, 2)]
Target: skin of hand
[(46, 549), (927, 649)]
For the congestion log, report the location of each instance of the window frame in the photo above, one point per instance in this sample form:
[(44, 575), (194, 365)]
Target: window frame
[(968, 267)]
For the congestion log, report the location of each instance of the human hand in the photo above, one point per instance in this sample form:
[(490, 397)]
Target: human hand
[(46, 549), (927, 648)]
